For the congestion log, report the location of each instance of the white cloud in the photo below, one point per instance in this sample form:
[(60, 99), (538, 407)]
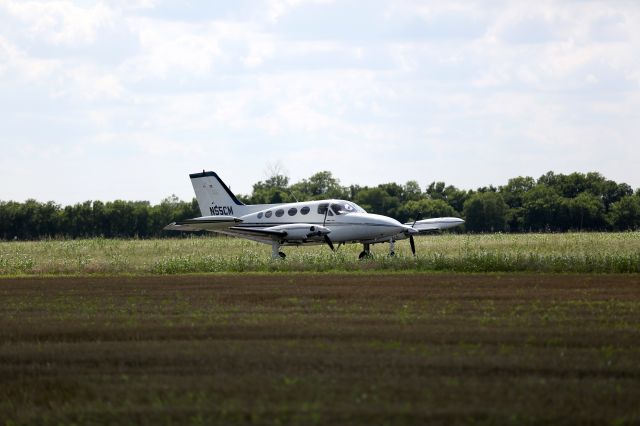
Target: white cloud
[(171, 48), (61, 22), (13, 59), (526, 87)]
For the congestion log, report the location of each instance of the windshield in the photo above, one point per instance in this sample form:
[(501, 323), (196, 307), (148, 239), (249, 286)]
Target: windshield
[(344, 207)]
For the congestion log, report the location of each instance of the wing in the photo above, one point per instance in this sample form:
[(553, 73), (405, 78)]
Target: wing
[(261, 233), (436, 224)]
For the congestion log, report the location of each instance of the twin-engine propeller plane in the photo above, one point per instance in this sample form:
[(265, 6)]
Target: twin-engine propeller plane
[(294, 224)]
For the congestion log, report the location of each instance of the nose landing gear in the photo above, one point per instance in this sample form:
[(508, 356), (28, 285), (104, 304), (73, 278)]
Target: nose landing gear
[(366, 252)]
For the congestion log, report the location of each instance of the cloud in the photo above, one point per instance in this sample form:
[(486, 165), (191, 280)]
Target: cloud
[(60, 22), (20, 65), (462, 91)]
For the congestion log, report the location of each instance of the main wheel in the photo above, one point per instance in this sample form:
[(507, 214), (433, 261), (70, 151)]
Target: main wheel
[(282, 255), (364, 255), (392, 253)]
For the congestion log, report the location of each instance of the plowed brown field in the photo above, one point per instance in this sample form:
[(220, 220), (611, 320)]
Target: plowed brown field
[(321, 349)]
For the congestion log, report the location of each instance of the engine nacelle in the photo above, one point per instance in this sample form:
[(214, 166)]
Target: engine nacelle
[(302, 231)]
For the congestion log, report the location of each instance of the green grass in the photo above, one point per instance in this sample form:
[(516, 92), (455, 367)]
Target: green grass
[(574, 252)]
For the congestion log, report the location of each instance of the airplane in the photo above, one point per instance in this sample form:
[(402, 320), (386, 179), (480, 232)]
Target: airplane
[(300, 223)]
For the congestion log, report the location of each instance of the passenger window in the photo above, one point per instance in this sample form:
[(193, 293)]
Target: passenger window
[(279, 212), (268, 214), (260, 215), (305, 210), (292, 211)]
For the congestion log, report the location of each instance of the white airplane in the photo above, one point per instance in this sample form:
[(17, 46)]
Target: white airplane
[(300, 223)]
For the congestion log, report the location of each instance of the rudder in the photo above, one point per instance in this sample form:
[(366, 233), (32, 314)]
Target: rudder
[(214, 197)]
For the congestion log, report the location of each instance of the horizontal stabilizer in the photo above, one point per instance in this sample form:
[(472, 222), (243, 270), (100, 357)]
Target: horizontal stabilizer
[(205, 223)]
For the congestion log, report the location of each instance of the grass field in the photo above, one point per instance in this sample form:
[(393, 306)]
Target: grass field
[(579, 252), (320, 349)]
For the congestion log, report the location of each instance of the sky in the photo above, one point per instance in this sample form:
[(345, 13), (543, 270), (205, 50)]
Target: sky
[(123, 99)]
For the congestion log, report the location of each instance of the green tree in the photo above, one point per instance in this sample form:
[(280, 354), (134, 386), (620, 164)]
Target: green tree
[(377, 200), (625, 213), (320, 185), (485, 212), (545, 209), (515, 189), (272, 190), (424, 209), (411, 191), (449, 193), (586, 211)]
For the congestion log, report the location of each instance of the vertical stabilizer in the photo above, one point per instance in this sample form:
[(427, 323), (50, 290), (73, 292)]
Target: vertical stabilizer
[(214, 197)]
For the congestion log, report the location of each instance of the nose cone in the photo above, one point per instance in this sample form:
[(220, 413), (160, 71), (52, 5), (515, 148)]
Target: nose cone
[(382, 220)]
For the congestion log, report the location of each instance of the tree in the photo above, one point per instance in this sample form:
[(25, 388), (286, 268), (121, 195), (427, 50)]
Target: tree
[(320, 185), (625, 213), (485, 212), (452, 195), (272, 190), (513, 192), (586, 211), (411, 191), (377, 200), (544, 209), (424, 209)]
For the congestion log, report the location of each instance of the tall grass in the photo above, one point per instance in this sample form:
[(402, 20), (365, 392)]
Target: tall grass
[(577, 252)]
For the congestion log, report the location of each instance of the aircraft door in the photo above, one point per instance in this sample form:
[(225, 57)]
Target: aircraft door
[(327, 214)]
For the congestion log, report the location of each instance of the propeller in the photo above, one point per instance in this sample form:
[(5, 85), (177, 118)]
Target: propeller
[(326, 237), (411, 241), (329, 243)]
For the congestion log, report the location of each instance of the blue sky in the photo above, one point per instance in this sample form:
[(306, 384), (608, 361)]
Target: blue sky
[(123, 99)]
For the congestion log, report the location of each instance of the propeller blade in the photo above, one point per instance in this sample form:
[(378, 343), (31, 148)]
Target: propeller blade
[(326, 212), (413, 245), (416, 220), (328, 241)]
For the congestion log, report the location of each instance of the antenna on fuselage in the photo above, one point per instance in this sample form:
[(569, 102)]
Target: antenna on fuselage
[(290, 194)]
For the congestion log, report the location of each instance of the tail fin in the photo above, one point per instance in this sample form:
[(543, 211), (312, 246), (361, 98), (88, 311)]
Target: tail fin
[(214, 197)]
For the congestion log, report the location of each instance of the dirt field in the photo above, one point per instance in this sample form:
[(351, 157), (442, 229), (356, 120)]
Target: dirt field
[(321, 349)]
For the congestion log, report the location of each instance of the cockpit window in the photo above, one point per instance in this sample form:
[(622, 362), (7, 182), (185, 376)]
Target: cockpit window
[(344, 208)]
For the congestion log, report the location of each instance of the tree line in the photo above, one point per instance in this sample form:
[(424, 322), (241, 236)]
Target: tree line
[(551, 203)]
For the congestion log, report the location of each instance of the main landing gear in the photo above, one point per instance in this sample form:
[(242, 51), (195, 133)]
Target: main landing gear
[(275, 251), (366, 252)]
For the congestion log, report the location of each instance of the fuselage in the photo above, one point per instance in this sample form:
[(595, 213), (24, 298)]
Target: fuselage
[(347, 221)]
